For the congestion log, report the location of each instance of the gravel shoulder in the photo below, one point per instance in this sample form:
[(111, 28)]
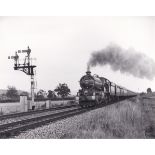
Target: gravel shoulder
[(57, 130)]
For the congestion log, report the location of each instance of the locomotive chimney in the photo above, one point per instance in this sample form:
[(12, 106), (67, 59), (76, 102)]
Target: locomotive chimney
[(88, 70)]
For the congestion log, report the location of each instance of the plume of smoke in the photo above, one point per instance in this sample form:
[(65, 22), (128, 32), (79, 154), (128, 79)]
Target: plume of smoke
[(126, 61)]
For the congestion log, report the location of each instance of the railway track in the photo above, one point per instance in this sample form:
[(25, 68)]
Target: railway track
[(14, 128), (9, 130), (14, 115)]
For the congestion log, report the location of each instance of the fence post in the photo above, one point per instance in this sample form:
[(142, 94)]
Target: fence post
[(47, 104), (24, 103), (1, 111)]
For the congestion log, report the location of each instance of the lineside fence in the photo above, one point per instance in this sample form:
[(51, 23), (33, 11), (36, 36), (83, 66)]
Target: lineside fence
[(24, 104)]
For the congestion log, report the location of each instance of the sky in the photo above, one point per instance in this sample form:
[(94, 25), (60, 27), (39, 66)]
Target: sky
[(62, 47)]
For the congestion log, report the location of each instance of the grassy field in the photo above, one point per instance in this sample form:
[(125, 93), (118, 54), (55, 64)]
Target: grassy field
[(126, 119)]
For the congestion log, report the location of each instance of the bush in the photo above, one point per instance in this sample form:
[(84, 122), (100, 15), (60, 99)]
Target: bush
[(9, 101)]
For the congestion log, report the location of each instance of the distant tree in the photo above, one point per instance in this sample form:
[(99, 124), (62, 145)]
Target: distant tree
[(142, 93), (149, 90), (51, 94), (62, 90), (3, 96), (12, 92), (41, 94), (24, 93)]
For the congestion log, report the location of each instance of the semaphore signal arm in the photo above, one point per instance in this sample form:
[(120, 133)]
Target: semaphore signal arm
[(26, 67)]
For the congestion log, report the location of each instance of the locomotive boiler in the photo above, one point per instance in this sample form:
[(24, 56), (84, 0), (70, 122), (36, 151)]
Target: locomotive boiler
[(91, 82), (99, 90)]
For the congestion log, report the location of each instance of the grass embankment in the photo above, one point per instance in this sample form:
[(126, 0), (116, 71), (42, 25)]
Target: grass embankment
[(121, 120)]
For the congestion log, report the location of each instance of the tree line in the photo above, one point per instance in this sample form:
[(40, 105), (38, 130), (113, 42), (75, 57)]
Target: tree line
[(61, 91)]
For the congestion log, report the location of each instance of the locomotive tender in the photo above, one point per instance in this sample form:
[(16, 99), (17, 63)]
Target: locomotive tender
[(99, 90)]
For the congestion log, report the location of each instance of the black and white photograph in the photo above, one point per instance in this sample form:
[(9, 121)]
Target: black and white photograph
[(77, 77)]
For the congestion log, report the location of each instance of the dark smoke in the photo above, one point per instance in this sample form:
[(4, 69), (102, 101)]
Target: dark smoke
[(126, 61)]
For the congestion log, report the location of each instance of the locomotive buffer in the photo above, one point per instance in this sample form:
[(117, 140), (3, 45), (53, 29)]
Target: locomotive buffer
[(26, 67)]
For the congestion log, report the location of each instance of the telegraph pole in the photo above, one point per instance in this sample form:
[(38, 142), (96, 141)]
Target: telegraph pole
[(25, 67)]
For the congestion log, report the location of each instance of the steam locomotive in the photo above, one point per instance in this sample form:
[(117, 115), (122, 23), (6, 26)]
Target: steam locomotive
[(97, 90)]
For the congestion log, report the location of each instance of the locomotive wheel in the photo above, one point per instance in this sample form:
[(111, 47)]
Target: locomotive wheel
[(93, 103), (99, 100), (106, 101), (82, 104)]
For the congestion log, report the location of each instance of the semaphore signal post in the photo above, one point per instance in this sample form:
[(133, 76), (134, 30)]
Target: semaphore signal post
[(25, 67)]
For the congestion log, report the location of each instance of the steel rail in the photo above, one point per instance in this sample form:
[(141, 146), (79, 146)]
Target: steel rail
[(14, 115), (9, 129), (33, 118)]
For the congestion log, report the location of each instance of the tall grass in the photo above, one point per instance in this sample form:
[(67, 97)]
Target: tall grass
[(120, 120)]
